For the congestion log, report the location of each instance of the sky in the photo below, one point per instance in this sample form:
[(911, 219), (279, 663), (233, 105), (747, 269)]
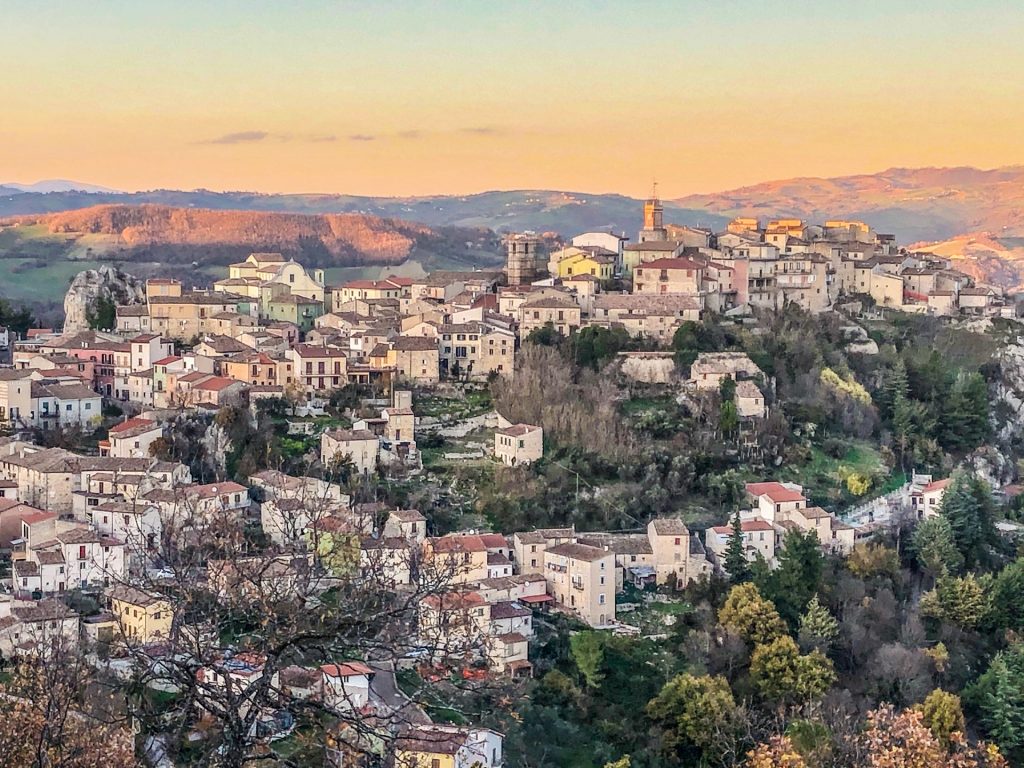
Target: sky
[(386, 97)]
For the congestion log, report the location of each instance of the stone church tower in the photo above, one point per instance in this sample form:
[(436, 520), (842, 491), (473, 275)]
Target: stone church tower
[(522, 262)]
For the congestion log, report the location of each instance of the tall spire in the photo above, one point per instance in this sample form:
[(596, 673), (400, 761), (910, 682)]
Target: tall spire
[(654, 214)]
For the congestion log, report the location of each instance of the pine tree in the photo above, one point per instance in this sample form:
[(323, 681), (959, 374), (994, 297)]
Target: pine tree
[(935, 548), (967, 505), (796, 580), (735, 559), (895, 386), (965, 413)]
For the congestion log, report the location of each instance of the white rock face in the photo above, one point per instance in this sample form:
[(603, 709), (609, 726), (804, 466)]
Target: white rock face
[(92, 284), (1008, 394)]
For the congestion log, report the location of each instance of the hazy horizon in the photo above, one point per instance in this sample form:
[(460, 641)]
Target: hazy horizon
[(417, 98)]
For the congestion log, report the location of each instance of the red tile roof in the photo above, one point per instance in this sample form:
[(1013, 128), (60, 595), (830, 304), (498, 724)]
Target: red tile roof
[(346, 669), (129, 424), (777, 492), (935, 485)]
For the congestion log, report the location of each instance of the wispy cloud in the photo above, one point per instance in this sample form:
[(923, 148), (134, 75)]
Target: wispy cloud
[(240, 137), (409, 134), (253, 137), (482, 130)]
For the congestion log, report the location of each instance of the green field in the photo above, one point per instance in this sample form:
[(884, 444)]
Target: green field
[(24, 281), (36, 265)]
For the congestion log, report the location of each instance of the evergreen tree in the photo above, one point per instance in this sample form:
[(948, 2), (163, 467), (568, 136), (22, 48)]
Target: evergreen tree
[(102, 315), (728, 419), (935, 548), (18, 319), (735, 560), (587, 650), (967, 505), (818, 627), (796, 580), (1007, 610), (965, 413), (998, 695), (894, 387), (960, 600)]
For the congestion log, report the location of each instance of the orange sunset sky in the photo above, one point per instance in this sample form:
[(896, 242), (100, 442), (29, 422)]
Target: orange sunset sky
[(407, 98)]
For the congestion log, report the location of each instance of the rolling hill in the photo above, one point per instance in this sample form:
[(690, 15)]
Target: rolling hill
[(913, 203), (566, 213), (986, 257), (182, 235), (153, 230)]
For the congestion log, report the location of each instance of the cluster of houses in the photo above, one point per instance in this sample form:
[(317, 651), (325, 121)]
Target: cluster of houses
[(273, 329), (674, 273)]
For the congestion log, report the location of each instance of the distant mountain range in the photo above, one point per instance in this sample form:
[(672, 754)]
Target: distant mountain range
[(975, 216), (915, 204), (53, 185), (566, 213)]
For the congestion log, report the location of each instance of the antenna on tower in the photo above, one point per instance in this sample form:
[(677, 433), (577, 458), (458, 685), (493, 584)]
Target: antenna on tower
[(654, 189)]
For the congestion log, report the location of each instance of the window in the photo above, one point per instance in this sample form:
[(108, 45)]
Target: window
[(678, 541), (600, 599)]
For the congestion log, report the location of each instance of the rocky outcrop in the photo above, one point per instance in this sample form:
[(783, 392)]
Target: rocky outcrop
[(1007, 394), (91, 285), (648, 367)]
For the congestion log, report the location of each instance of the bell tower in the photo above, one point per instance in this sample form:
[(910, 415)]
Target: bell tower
[(654, 218)]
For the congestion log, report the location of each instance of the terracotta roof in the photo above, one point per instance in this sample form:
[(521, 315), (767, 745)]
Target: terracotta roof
[(133, 426), (457, 543), (936, 485), (454, 601), (777, 492), (746, 526), (346, 669), (216, 384)]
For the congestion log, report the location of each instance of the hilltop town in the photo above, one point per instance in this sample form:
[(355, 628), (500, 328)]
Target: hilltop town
[(357, 522)]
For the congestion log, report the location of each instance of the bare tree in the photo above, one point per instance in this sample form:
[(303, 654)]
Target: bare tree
[(251, 622)]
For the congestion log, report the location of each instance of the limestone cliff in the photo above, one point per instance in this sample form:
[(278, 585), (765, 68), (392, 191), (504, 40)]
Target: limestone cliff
[(93, 284), (1007, 392)]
